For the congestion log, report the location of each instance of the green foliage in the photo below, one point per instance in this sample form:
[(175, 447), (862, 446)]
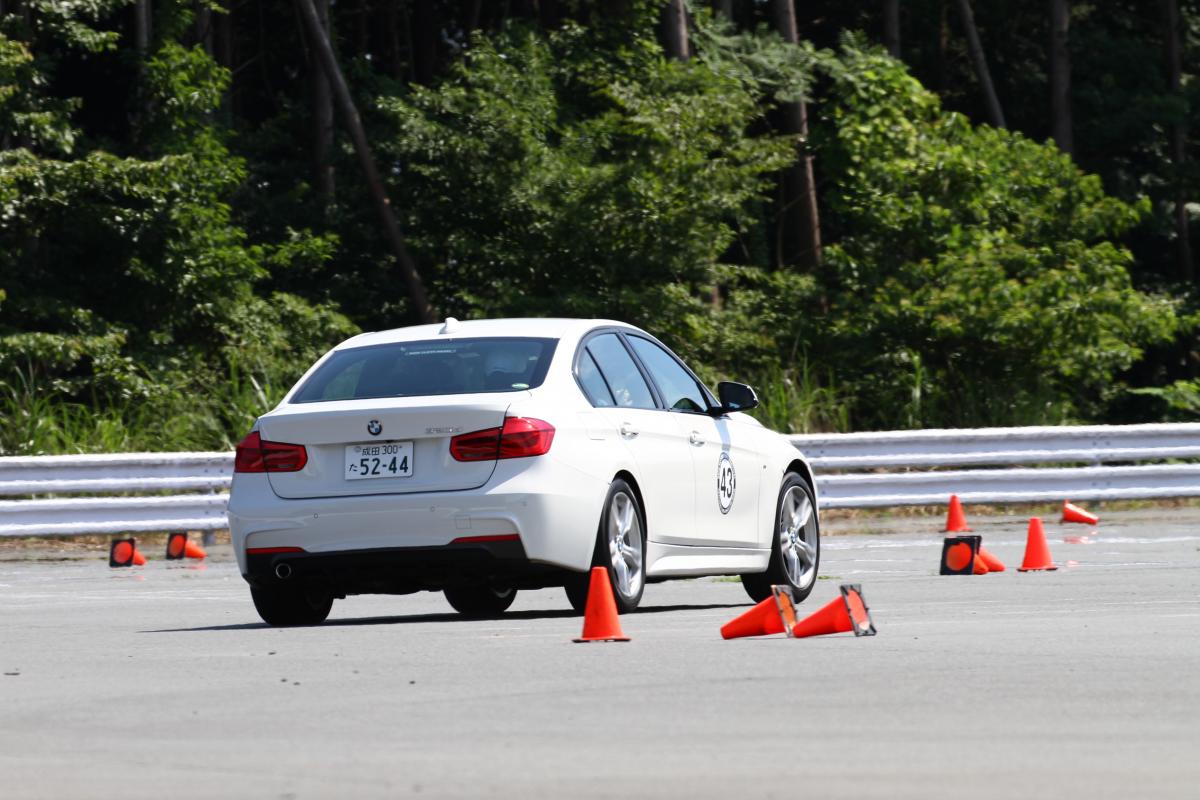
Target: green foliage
[(553, 176), (128, 286), (992, 300)]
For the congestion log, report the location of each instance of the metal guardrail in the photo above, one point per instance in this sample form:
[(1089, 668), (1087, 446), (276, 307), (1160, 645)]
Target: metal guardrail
[(850, 471), (833, 455)]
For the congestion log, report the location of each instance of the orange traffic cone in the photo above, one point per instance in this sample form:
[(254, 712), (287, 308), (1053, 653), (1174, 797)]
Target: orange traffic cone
[(192, 550), (120, 553), (600, 621), (138, 558), (956, 521), (993, 564), (176, 543), (776, 614), (1073, 513), (846, 613), (1037, 552)]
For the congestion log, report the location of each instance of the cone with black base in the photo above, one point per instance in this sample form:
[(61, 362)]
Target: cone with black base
[(1073, 513), (600, 620), (848, 612), (1037, 552), (176, 544), (776, 614), (960, 556), (121, 551), (956, 520)]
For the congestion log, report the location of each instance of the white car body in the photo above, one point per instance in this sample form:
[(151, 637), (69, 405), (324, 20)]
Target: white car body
[(548, 505)]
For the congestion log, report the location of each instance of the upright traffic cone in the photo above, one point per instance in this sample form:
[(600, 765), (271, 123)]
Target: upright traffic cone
[(176, 544), (1037, 552), (956, 521), (1073, 513), (960, 556), (773, 615), (120, 552), (600, 621), (993, 564), (848, 612), (193, 550)]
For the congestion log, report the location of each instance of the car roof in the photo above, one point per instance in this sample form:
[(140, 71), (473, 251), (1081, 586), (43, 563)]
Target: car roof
[(537, 327)]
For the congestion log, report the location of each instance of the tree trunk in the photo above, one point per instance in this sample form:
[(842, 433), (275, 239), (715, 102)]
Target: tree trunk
[(224, 53), (675, 30), (800, 215), (943, 46), (995, 114), (891, 27), (142, 21), (474, 10), (549, 14), (1060, 76), (204, 26), (424, 50), (1178, 141), (322, 119), (408, 268)]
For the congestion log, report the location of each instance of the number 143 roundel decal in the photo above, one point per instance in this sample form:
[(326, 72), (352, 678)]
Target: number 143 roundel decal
[(726, 483)]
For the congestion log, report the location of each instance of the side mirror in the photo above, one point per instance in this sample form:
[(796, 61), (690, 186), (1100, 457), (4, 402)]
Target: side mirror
[(735, 397)]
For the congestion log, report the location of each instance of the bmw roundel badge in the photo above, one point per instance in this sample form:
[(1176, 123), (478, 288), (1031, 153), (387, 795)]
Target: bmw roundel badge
[(374, 428)]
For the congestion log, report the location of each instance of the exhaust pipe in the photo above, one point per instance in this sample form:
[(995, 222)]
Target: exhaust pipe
[(283, 570)]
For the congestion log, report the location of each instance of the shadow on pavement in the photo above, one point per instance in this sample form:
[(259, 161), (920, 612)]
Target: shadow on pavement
[(447, 617)]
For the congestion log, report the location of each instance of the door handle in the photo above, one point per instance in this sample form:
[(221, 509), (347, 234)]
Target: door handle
[(696, 439), (628, 431)]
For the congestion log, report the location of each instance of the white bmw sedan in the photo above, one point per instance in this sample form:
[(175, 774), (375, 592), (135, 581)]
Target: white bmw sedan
[(480, 458)]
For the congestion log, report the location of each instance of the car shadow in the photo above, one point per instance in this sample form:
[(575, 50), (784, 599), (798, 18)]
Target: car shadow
[(408, 619)]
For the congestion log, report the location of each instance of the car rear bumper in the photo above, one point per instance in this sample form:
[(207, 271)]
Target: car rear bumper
[(401, 570), (552, 517)]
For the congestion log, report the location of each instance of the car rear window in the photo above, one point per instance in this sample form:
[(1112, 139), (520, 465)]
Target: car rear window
[(430, 368)]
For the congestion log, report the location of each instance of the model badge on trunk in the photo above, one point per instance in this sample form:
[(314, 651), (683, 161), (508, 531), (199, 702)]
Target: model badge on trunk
[(374, 428)]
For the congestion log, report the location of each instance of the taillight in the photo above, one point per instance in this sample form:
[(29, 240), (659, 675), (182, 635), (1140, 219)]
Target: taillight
[(525, 436), (520, 437), (256, 455), (476, 446)]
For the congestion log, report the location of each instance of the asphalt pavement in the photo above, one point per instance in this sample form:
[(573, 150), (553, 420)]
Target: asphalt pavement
[(160, 681)]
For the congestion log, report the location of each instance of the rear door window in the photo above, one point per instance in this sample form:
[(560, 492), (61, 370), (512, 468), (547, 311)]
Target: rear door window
[(629, 388), (593, 382), (430, 368)]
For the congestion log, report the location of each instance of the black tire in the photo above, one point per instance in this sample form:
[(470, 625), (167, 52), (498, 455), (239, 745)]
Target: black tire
[(291, 606), (758, 585), (604, 556), (480, 600)]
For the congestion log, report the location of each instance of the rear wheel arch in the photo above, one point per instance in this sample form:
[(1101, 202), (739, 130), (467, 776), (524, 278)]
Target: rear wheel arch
[(627, 476)]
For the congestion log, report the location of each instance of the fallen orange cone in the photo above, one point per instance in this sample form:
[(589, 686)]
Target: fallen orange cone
[(600, 620), (192, 550), (848, 612), (1073, 513), (138, 559), (960, 556), (993, 564), (176, 544), (120, 553), (1037, 552), (776, 614), (956, 521)]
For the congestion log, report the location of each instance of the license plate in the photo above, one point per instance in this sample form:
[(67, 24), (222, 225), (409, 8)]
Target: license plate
[(379, 460)]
